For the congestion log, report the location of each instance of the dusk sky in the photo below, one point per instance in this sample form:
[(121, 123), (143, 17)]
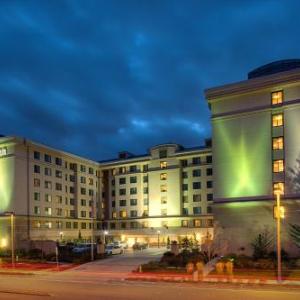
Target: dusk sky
[(97, 77)]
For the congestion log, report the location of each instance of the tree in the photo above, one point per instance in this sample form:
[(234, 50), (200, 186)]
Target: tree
[(261, 244), (293, 177), (295, 234)]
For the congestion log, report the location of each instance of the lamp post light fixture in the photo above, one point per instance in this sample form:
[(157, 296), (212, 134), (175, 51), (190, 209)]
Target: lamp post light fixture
[(12, 236), (158, 233), (105, 233), (279, 214)]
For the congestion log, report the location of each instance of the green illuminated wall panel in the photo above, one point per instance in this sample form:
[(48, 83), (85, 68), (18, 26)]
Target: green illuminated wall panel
[(242, 156)]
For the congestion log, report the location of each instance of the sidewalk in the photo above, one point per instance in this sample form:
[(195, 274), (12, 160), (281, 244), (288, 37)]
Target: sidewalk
[(167, 277)]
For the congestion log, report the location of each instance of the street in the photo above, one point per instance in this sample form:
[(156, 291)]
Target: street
[(104, 279)]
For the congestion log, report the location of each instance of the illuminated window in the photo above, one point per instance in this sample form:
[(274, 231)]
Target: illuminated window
[(277, 97), (48, 211), (163, 176), (37, 182), (123, 213), (48, 198), (278, 166), (278, 143), (145, 224), (163, 188), (197, 223), (163, 164), (48, 225), (277, 120), (278, 186), (184, 223)]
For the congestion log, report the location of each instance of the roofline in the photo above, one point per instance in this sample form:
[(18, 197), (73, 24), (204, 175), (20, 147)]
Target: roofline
[(251, 85)]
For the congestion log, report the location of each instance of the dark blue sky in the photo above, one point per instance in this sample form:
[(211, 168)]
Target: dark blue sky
[(97, 77)]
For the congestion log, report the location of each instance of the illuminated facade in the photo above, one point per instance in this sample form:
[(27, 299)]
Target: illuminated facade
[(256, 145), (60, 196)]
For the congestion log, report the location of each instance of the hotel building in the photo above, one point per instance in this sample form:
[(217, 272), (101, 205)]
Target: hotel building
[(54, 195), (256, 150)]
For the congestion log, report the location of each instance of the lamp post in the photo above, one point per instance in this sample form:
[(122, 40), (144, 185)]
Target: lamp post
[(12, 236), (158, 233), (278, 233), (105, 233)]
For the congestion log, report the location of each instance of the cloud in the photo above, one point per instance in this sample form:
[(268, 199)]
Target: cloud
[(97, 77)]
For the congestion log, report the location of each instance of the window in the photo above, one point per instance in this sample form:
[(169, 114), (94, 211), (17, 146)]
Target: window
[(163, 164), (278, 166), (133, 179), (163, 176), (36, 182), (83, 191), (68, 225), (208, 159), (133, 191), (146, 201), (184, 175), (184, 163), (73, 167), (122, 170), (164, 212), (58, 186), (37, 169), (163, 153), (163, 200), (209, 209), (196, 160), (83, 214), (163, 188), (122, 202), (197, 210), (209, 172), (36, 155), (83, 202), (123, 225), (58, 174), (58, 161), (58, 199), (277, 97), (197, 223), (145, 213), (184, 223), (133, 213), (185, 187), (133, 202), (37, 196), (72, 189), (278, 143), (48, 198), (47, 158), (196, 173), (209, 197), (145, 179), (145, 224), (133, 225), (91, 192), (209, 184), (72, 201), (132, 169), (123, 214), (122, 180), (59, 211), (113, 193), (122, 192), (48, 185), (91, 181), (48, 211), (277, 120), (72, 178), (83, 168), (91, 171), (197, 198), (185, 211), (82, 179), (112, 225), (145, 168), (37, 210), (114, 215), (75, 225), (113, 203), (83, 225), (48, 225), (185, 199), (196, 185), (278, 186), (3, 151)]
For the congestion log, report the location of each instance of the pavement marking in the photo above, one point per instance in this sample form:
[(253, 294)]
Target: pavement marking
[(25, 293)]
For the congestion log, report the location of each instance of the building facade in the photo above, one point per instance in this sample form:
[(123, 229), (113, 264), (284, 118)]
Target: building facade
[(54, 195), (256, 148)]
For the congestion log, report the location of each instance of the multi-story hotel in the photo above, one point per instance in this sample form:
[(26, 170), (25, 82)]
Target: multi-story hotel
[(55, 195), (256, 150), (171, 192)]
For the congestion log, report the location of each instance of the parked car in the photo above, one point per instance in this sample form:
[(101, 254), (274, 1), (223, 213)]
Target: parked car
[(121, 244), (81, 248), (139, 246), (113, 249)]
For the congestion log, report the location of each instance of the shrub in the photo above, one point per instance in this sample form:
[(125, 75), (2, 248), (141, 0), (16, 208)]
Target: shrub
[(35, 253), (261, 245)]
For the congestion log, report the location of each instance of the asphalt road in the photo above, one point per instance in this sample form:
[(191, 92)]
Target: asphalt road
[(104, 280)]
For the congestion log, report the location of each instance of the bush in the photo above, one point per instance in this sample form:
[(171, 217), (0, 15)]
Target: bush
[(284, 255), (35, 253)]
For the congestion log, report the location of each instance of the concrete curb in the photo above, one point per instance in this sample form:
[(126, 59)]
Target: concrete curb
[(211, 280)]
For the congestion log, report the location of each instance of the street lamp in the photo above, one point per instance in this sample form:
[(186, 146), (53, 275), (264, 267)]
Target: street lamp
[(158, 233), (105, 233), (12, 236), (279, 214)]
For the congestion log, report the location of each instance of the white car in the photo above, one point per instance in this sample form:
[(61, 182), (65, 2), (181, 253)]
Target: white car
[(113, 249), (121, 244)]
